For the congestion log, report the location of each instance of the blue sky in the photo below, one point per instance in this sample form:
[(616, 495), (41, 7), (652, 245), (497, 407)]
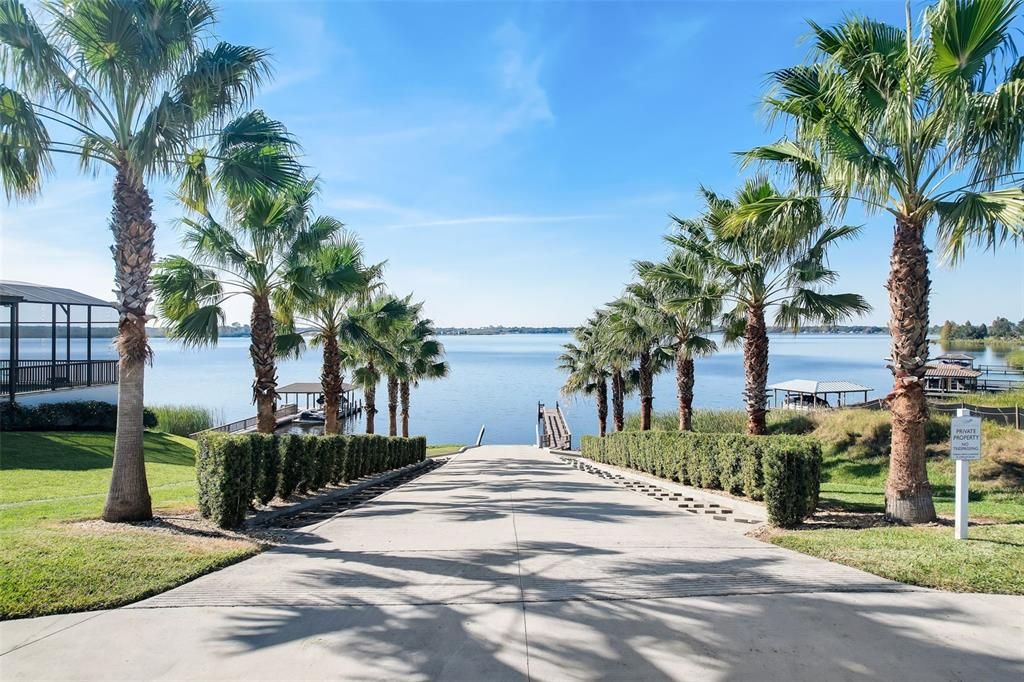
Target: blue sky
[(510, 160)]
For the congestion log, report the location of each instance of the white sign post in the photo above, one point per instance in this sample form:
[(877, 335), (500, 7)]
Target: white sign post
[(964, 446)]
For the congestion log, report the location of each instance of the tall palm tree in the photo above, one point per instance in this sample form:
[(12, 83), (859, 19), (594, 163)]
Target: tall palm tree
[(136, 86), (370, 357), (927, 127), (768, 259), (393, 367), (640, 331), (583, 364), (422, 358), (622, 374), (260, 251), (340, 282), (690, 297)]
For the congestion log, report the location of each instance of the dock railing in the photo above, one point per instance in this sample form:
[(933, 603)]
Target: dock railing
[(247, 423)]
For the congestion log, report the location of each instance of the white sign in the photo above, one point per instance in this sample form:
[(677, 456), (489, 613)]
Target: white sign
[(965, 438)]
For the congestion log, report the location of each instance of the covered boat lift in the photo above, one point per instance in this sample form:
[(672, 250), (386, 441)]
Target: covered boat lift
[(806, 394), (312, 394)]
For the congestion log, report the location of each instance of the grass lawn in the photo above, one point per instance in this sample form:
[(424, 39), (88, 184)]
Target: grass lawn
[(50, 564), (442, 449), (855, 466), (990, 561)]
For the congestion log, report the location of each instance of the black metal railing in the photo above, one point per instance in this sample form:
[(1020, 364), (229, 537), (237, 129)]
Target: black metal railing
[(249, 422), (49, 375)]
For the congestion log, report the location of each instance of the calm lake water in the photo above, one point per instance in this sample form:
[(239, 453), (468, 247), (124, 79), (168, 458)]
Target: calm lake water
[(496, 381)]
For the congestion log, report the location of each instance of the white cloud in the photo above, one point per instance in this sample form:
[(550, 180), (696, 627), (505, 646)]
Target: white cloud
[(519, 72)]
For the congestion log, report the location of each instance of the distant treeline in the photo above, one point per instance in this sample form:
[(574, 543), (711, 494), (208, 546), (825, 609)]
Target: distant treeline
[(494, 330), (100, 330), (491, 330), (999, 328)]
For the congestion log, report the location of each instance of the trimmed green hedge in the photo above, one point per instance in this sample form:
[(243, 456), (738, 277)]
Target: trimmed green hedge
[(784, 471), (234, 472), (76, 415)]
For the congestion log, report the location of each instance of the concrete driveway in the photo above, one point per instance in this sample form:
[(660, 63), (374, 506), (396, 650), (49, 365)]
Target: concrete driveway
[(507, 564)]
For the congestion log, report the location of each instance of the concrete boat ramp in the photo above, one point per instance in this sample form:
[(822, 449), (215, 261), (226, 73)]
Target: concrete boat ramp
[(508, 563)]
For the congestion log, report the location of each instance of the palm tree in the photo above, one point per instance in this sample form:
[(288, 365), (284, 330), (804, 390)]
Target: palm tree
[(136, 86), (393, 366), (929, 129), (262, 251), (639, 331), (690, 298), (372, 355), (622, 374), (768, 259), (422, 359), (586, 373), (341, 281)]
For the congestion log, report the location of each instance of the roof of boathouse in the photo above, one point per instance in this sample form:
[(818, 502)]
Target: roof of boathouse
[(946, 369), (309, 387), (813, 386)]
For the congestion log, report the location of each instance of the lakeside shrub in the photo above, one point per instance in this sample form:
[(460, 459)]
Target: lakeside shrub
[(290, 463), (184, 420), (224, 478), (265, 466), (784, 471), (236, 471), (76, 415), (792, 477)]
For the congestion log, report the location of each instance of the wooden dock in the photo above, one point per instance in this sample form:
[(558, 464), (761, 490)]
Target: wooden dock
[(553, 428)]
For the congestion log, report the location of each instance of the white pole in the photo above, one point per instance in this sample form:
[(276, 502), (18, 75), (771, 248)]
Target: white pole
[(962, 470)]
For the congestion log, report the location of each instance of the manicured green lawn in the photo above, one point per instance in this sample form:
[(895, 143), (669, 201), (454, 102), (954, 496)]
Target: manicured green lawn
[(51, 565), (442, 449), (990, 561)]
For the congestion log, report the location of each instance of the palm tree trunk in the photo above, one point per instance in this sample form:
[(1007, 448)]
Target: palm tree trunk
[(646, 388), (908, 494), (602, 407), (392, 405), (684, 388), (618, 400), (132, 224), (330, 379), (755, 365), (370, 398), (261, 350), (404, 390)]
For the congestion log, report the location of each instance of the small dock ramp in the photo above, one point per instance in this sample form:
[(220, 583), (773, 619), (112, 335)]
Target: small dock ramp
[(552, 428)]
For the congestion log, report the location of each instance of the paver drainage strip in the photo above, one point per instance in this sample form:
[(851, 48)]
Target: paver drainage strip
[(687, 504), (333, 507)]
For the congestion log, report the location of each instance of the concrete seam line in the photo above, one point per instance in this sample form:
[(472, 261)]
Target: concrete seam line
[(522, 592), (55, 632)]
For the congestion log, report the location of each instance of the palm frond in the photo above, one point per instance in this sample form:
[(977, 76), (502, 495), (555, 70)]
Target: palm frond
[(24, 145), (980, 218)]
